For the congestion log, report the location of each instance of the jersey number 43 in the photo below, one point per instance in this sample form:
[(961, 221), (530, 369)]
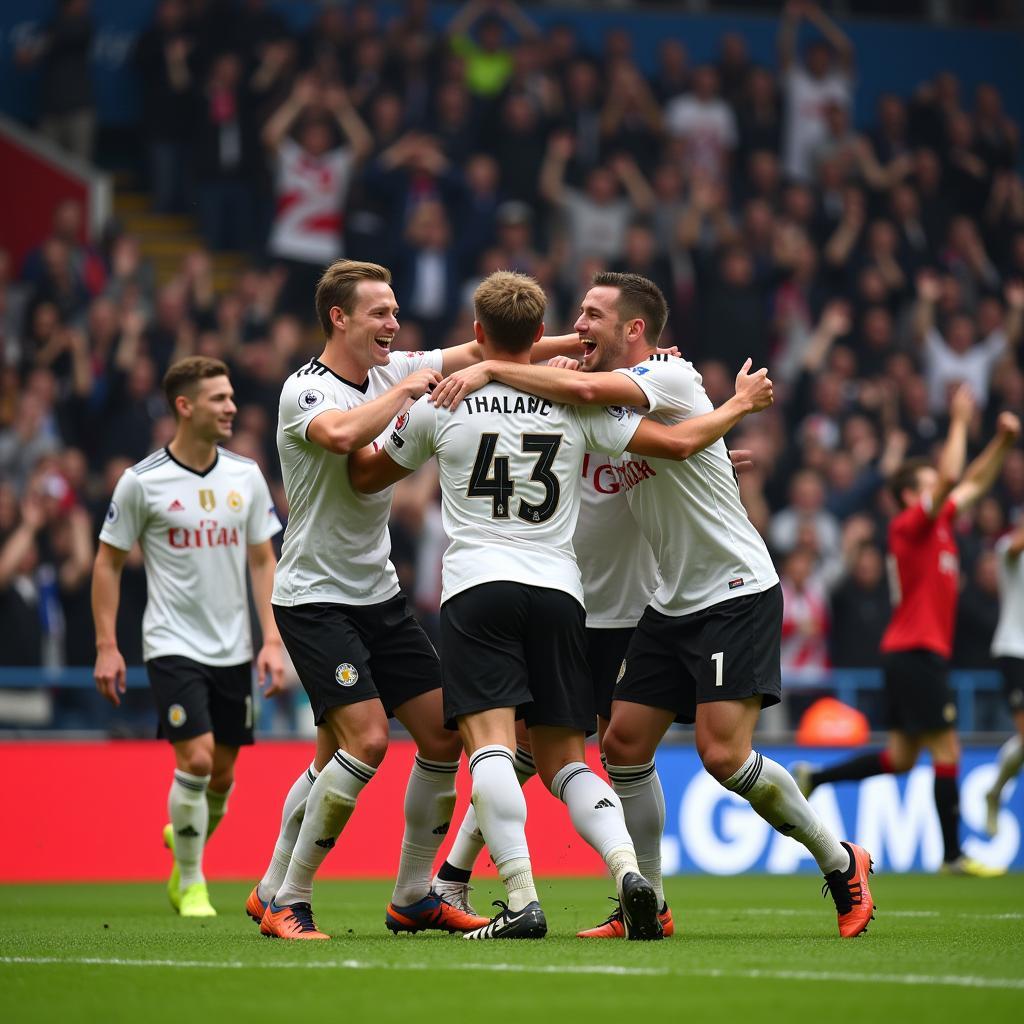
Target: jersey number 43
[(499, 486)]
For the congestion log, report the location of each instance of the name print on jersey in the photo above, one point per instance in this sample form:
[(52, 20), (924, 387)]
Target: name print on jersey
[(526, 404)]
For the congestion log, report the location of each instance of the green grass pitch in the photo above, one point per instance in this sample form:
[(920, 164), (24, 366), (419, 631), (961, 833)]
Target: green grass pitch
[(750, 948)]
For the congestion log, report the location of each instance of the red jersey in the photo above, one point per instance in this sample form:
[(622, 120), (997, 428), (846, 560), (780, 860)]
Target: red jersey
[(924, 570)]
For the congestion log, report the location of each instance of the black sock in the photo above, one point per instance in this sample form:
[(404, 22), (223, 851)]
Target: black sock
[(947, 803), (446, 873), (876, 763)]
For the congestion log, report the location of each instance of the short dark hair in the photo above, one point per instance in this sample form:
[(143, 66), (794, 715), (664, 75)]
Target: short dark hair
[(337, 287), (182, 377), (639, 299), (510, 308), (905, 476)]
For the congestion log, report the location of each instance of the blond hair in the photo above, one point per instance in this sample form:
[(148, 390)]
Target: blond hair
[(510, 308), (337, 287)]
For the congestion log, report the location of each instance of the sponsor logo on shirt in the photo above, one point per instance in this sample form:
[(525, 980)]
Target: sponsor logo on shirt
[(346, 674), (113, 513), (207, 500), (310, 398), (610, 479), (209, 535), (235, 501)]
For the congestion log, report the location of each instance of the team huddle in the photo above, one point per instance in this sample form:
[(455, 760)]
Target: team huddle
[(568, 606)]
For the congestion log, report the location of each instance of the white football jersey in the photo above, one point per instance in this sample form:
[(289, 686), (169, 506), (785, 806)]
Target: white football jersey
[(707, 549), (619, 570), (1008, 641), (510, 482), (194, 530), (336, 545)]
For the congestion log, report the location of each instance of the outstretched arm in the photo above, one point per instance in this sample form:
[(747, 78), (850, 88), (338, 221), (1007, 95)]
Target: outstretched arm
[(954, 452), (981, 474)]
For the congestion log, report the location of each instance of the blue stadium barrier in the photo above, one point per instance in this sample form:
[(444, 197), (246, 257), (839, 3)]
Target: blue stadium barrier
[(845, 683)]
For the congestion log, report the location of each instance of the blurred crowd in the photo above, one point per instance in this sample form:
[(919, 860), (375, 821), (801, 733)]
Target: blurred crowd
[(870, 271)]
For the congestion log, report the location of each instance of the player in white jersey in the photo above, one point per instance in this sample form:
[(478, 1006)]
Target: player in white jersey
[(707, 648), (359, 653), (200, 514), (512, 619), (1008, 648)]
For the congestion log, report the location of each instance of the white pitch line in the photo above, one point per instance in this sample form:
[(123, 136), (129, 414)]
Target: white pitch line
[(953, 981), (790, 912)]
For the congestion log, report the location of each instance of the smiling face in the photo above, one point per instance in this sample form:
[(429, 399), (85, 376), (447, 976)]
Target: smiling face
[(605, 339), (370, 329), (210, 413)]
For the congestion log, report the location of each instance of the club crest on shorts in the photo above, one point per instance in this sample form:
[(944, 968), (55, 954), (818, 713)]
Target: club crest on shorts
[(310, 398), (176, 716), (346, 674), (622, 672), (949, 712)]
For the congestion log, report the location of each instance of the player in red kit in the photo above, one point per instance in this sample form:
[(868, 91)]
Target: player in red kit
[(925, 568)]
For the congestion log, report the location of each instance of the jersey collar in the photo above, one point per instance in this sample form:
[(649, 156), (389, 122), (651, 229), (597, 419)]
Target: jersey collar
[(361, 388), (195, 472)]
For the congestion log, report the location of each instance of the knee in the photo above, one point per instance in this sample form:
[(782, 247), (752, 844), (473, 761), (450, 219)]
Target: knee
[(196, 762), (440, 745), (901, 761), (370, 747), (222, 780), (623, 748), (721, 760)]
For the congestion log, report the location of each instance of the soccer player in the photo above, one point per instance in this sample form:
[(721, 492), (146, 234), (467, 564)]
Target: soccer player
[(200, 514), (358, 651), (919, 640), (707, 647), (512, 618), (1008, 647)]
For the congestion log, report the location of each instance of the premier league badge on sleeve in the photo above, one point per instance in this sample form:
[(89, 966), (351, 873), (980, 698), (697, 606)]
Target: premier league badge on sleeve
[(113, 513), (310, 398)]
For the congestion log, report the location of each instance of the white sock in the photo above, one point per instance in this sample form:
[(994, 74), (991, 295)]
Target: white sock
[(217, 805), (774, 794), (291, 821), (330, 804), (189, 814), (429, 802), (1011, 757), (469, 840), (643, 808), (596, 815), (501, 814)]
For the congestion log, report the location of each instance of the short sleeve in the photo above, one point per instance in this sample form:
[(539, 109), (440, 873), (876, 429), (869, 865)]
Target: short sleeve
[(668, 384), (402, 364), (413, 438), (126, 513), (607, 429), (262, 522), (302, 401)]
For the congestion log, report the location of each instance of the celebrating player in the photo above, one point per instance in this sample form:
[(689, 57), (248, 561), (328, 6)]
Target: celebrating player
[(919, 640), (200, 513), (707, 647), (359, 653), (1008, 647), (512, 619)]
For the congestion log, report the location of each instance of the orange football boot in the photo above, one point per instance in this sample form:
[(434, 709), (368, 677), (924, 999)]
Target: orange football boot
[(851, 893), (615, 926), (254, 906), (294, 921), (433, 912)]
